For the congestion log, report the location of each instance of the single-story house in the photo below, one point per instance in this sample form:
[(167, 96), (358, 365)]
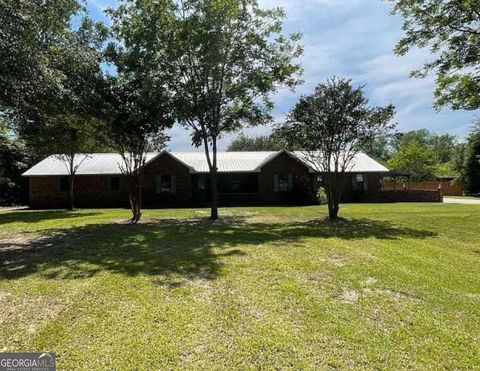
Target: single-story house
[(181, 179)]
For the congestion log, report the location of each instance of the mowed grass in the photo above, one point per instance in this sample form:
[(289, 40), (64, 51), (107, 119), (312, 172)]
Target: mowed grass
[(389, 286)]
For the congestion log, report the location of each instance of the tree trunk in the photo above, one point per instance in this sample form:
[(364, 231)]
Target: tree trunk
[(212, 165), (333, 196), (135, 198), (214, 194), (333, 209), (71, 175), (71, 202)]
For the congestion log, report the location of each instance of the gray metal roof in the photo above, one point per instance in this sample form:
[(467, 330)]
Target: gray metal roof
[(109, 163), (361, 163), (227, 162), (90, 164)]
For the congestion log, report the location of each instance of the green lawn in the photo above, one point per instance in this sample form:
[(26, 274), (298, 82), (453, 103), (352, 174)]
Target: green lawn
[(390, 286)]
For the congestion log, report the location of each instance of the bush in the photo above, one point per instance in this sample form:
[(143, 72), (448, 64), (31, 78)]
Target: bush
[(322, 196)]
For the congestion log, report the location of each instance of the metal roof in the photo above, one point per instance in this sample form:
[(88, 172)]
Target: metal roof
[(90, 164), (227, 162), (361, 163), (109, 163)]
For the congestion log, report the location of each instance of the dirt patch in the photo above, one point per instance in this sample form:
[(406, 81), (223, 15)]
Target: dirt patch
[(394, 294), (29, 314), (369, 281), (348, 296)]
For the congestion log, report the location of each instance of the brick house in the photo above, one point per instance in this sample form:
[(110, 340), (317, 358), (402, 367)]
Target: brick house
[(180, 179)]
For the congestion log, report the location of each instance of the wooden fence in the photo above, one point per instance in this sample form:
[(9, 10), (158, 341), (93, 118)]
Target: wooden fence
[(449, 188)]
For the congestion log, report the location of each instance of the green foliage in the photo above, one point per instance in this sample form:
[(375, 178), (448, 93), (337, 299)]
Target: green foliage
[(445, 148), (223, 57), (31, 35), (260, 143), (378, 147), (450, 29), (414, 158), (330, 126), (50, 73), (15, 158), (446, 169), (138, 98), (471, 168), (442, 145)]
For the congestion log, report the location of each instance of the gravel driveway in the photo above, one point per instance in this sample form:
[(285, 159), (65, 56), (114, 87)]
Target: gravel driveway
[(455, 200)]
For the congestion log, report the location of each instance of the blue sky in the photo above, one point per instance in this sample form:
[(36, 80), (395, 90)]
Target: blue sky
[(353, 39)]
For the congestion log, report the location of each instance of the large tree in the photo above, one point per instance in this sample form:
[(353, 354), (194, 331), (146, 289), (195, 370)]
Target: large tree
[(49, 69), (225, 58), (329, 126), (450, 30), (56, 119), (134, 121), (138, 97)]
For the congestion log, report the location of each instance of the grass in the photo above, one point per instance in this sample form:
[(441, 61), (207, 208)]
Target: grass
[(389, 286)]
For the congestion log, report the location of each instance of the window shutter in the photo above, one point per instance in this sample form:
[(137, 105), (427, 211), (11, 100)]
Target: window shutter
[(173, 185), (290, 182), (158, 184), (365, 182), (354, 182), (275, 183)]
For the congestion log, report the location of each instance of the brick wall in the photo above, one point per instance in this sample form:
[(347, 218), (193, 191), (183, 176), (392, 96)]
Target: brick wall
[(89, 191), (167, 165), (92, 191), (284, 164)]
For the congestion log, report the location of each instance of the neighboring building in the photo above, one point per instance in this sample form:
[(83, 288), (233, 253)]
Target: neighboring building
[(178, 179)]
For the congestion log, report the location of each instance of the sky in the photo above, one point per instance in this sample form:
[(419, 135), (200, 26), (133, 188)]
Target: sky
[(352, 39)]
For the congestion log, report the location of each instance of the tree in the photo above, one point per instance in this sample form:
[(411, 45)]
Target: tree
[(378, 147), (329, 126), (137, 99), (260, 143), (450, 29), (471, 168), (134, 123), (226, 58), (416, 159), (15, 158), (444, 147), (31, 37), (48, 73), (58, 119)]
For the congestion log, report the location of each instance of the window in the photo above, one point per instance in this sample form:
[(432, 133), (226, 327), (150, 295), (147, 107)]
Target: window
[(165, 184), (64, 184), (282, 182), (114, 184), (359, 182)]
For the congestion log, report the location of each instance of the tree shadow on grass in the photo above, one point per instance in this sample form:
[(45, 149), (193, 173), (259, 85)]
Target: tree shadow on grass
[(28, 216), (186, 248)]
